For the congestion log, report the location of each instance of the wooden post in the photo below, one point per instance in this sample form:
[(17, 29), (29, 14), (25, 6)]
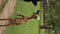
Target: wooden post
[(6, 13)]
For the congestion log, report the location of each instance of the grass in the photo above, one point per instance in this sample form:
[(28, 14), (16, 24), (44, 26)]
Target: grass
[(31, 27)]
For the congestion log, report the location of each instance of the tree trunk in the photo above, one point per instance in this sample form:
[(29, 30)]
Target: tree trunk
[(7, 13)]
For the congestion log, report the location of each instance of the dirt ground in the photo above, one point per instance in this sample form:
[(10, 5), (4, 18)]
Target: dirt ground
[(7, 13)]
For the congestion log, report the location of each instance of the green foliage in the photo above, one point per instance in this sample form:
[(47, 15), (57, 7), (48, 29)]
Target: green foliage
[(53, 15), (53, 12)]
